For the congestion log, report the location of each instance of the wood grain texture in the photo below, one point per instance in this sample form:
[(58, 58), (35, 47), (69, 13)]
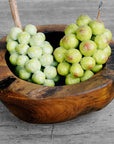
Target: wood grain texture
[(95, 128)]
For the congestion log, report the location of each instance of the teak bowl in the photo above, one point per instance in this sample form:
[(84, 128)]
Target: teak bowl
[(41, 104)]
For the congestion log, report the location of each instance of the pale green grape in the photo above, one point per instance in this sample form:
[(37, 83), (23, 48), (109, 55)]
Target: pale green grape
[(87, 63), (11, 45), (34, 52), (107, 50), (100, 57), (50, 72), (22, 48), (76, 70), (46, 60), (73, 56), (22, 59), (23, 37), (101, 41), (31, 29), (97, 68), (84, 32), (23, 74), (8, 39), (57, 78), (59, 54), (49, 83), (69, 41), (108, 34), (17, 68), (13, 58), (83, 20), (88, 74), (33, 65), (54, 63), (14, 32), (88, 47), (47, 48), (71, 29), (37, 39), (70, 79), (63, 68), (38, 77), (97, 27)]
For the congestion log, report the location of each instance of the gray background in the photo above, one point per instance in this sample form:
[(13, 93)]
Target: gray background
[(93, 128)]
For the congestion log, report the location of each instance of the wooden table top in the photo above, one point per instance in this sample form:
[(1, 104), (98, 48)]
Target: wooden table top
[(93, 128)]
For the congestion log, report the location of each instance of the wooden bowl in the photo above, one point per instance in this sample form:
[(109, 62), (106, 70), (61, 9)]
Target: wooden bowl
[(41, 104)]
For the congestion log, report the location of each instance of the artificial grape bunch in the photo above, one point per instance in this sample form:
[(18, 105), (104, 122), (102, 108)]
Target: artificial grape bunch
[(31, 56), (83, 50)]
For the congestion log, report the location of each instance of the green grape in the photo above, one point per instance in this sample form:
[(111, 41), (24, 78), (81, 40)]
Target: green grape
[(100, 57), (69, 41), (107, 50), (22, 59), (83, 20), (37, 39), (14, 32), (22, 48), (54, 63), (38, 77), (13, 58), (70, 79), (49, 83), (23, 38), (59, 54), (88, 74), (63, 68), (87, 63), (17, 68), (76, 70), (46, 60), (34, 52), (73, 56), (84, 32), (97, 27), (88, 47), (71, 29), (101, 41), (57, 78), (8, 39), (97, 68), (11, 45), (33, 65), (23, 74), (50, 72), (45, 43), (108, 34), (31, 29), (47, 48)]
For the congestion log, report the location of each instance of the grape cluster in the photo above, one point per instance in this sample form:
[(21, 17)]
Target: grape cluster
[(31, 55), (83, 50)]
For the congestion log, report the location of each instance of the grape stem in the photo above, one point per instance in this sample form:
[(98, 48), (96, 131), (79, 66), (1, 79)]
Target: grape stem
[(99, 11), (14, 11)]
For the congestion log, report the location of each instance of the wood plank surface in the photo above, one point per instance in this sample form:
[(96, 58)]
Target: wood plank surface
[(93, 128)]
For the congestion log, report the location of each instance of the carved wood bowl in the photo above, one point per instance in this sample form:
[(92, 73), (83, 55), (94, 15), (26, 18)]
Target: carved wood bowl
[(41, 104)]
